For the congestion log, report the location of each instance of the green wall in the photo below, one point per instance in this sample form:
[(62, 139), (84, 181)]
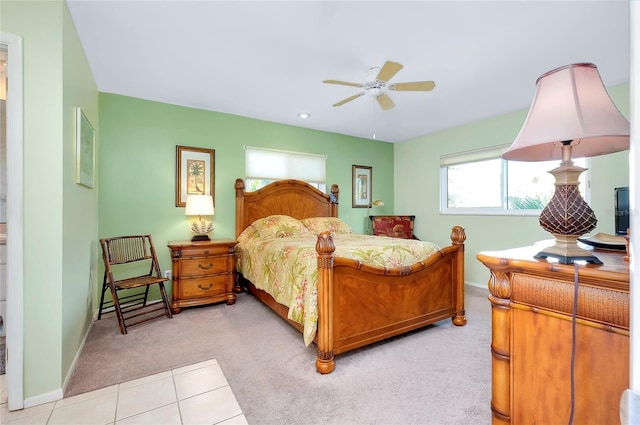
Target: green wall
[(60, 221), (417, 187), (80, 204), (137, 164)]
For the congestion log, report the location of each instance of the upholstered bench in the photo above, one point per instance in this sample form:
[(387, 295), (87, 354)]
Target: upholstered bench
[(394, 226)]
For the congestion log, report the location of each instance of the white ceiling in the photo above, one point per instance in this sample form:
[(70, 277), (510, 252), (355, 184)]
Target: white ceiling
[(267, 59)]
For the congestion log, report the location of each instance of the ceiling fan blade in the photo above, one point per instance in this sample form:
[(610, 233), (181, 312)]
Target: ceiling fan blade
[(385, 101), (389, 69), (413, 86), (349, 99), (343, 83)]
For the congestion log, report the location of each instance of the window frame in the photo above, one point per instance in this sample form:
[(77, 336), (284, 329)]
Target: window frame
[(489, 153)]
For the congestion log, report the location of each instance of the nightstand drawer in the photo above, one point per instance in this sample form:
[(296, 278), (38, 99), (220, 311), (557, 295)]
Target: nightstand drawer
[(203, 266), (203, 286), (200, 251)]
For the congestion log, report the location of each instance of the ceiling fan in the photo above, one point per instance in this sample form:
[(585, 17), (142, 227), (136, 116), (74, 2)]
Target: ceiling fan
[(379, 87)]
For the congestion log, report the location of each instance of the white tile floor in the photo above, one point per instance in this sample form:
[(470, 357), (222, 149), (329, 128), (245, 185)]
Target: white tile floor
[(195, 394)]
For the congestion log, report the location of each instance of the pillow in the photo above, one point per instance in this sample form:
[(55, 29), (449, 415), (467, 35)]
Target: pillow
[(249, 234), (318, 225), (393, 226), (279, 226)]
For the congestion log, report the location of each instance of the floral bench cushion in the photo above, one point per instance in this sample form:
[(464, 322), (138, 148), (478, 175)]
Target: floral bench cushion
[(394, 226)]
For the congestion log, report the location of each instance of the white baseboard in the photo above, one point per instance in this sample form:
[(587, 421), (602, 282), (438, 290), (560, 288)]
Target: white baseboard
[(45, 398), (477, 285), (58, 394)]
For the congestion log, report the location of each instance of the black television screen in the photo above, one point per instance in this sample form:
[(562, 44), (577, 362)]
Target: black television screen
[(622, 210)]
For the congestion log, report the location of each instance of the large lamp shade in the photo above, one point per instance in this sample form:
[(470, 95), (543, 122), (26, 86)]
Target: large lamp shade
[(570, 104)]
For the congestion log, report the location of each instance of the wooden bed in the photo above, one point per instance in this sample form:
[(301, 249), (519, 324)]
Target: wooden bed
[(408, 297)]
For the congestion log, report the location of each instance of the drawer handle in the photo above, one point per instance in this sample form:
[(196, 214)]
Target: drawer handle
[(205, 267), (208, 287)]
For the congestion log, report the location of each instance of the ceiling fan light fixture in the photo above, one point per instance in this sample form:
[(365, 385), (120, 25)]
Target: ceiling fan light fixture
[(379, 87)]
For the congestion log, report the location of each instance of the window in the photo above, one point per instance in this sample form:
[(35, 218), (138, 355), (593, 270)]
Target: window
[(264, 166), (481, 182)]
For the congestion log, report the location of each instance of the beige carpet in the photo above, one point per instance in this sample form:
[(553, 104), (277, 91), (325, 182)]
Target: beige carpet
[(437, 375)]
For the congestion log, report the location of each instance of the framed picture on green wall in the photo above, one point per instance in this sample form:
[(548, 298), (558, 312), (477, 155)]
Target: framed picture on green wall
[(85, 150), (362, 176), (195, 173)]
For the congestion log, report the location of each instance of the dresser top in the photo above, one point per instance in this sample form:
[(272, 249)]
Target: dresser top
[(614, 266)]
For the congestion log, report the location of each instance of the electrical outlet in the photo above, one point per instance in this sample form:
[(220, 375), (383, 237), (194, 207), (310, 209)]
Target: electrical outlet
[(167, 273)]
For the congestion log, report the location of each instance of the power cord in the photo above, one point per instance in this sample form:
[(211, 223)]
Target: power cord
[(573, 341)]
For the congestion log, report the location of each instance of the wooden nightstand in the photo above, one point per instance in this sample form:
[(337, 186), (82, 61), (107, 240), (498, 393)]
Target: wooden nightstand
[(203, 272)]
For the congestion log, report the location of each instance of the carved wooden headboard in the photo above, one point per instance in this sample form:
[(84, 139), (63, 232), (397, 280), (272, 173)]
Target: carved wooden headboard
[(294, 198)]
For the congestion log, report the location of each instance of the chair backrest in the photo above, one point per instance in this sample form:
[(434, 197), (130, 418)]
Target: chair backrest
[(395, 226), (129, 249)]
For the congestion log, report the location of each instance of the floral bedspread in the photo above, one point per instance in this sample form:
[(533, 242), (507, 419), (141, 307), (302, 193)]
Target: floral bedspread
[(285, 266)]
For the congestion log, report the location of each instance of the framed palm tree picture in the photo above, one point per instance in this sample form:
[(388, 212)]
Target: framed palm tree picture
[(195, 173)]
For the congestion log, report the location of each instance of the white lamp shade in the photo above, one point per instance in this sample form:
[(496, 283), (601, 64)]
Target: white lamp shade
[(570, 104), (199, 205)]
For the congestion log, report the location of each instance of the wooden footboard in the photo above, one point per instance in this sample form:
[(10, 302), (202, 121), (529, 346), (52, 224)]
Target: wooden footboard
[(360, 304)]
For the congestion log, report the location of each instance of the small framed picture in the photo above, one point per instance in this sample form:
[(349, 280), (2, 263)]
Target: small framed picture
[(362, 177), (195, 173), (85, 150)]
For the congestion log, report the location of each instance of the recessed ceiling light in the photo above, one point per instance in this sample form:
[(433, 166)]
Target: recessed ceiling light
[(304, 115)]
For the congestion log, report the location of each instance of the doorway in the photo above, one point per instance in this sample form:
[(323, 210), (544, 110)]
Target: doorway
[(3, 217), (11, 196)]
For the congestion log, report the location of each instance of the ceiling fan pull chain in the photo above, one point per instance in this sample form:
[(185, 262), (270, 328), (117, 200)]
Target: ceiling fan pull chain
[(373, 104)]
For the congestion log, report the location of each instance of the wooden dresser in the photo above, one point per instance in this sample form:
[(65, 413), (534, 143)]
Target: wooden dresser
[(203, 272), (531, 345)]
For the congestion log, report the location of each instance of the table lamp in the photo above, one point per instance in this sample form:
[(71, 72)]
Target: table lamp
[(571, 115), (200, 205)]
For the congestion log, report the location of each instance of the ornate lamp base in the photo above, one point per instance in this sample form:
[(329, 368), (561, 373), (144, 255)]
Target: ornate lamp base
[(567, 216), (566, 250), (200, 229)]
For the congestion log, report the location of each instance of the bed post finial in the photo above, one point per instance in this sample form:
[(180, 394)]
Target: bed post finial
[(333, 197), (239, 185), (334, 193), (458, 236)]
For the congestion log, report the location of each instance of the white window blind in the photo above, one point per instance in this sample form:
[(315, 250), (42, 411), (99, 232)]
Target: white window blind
[(271, 164)]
